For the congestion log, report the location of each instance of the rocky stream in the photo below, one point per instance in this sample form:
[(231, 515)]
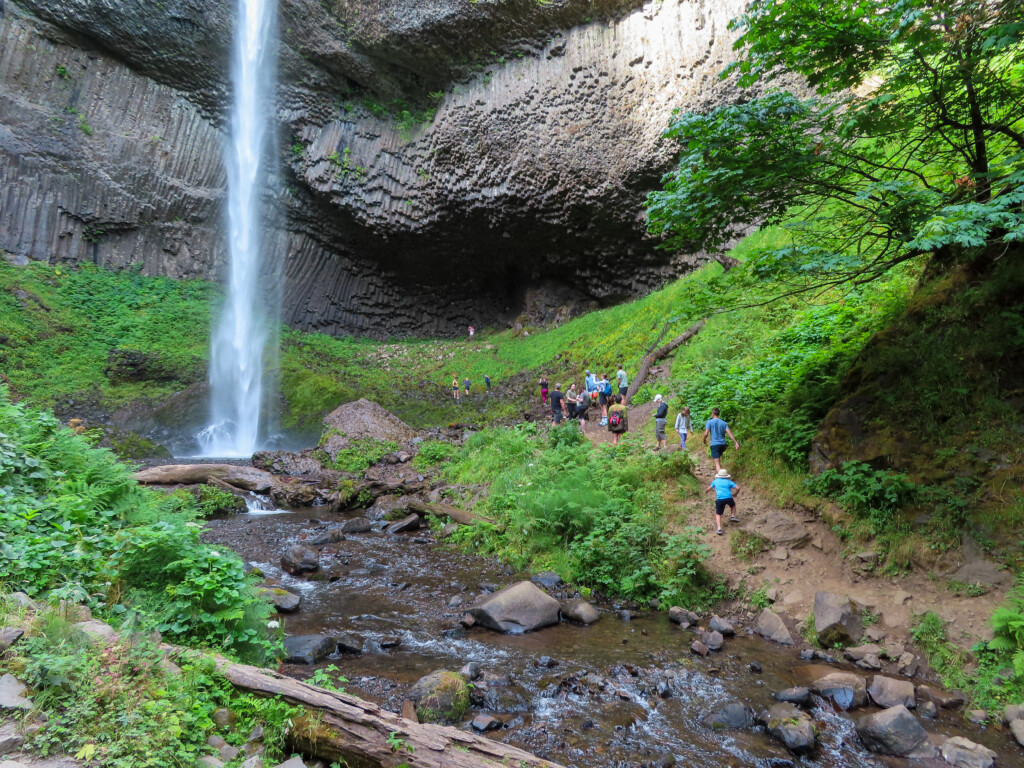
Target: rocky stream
[(631, 689)]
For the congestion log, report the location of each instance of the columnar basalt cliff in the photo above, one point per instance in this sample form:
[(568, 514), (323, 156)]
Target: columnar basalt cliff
[(441, 158)]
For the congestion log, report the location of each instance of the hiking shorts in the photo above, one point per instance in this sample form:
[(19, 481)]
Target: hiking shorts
[(659, 428), (602, 399), (557, 414), (721, 504), (718, 450), (623, 391)]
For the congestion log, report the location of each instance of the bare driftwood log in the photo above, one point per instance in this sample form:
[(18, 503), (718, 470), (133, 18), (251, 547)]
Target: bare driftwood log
[(660, 353), (341, 727), (441, 509), (246, 478), (727, 262)]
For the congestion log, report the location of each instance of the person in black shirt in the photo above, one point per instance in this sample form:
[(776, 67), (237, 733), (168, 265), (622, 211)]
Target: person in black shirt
[(556, 402), (660, 420)]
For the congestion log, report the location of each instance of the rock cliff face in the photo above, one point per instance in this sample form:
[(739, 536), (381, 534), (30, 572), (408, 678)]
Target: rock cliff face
[(440, 159)]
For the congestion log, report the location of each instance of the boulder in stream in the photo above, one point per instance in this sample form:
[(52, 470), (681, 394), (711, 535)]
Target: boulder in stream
[(846, 689), (770, 626), (440, 697), (888, 692), (283, 600), (963, 753), (895, 731), (354, 525), (733, 716), (791, 726), (836, 619), (521, 607), (297, 559), (580, 611), (409, 523), (718, 624), (308, 649)]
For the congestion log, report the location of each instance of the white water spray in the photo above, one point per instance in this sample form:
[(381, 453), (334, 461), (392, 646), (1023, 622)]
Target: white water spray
[(237, 348)]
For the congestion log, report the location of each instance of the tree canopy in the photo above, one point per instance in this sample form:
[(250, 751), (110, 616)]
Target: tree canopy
[(907, 139)]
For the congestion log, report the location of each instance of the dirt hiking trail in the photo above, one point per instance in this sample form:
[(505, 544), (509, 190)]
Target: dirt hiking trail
[(803, 555)]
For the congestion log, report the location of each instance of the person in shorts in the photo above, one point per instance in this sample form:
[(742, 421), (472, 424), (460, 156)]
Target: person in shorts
[(467, 384), (660, 421), (623, 381), (717, 430), (724, 488), (455, 386), (604, 396)]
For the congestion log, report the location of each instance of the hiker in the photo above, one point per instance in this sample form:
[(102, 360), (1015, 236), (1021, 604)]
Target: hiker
[(571, 401), (604, 395), (543, 390), (487, 383), (724, 487), (455, 387), (623, 382), (472, 330), (683, 426), (718, 430), (556, 403), (660, 421), (467, 384), (582, 404), (590, 383), (618, 420)]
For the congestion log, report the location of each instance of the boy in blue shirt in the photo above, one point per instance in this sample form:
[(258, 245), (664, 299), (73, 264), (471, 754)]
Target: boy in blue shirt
[(718, 430), (723, 486)]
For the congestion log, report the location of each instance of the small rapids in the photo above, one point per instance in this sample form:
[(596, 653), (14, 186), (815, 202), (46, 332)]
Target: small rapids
[(623, 693)]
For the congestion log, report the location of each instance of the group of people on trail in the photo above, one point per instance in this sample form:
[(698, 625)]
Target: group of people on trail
[(575, 404), (468, 385)]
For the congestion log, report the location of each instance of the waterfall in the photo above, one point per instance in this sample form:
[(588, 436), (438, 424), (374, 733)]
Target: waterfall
[(238, 344)]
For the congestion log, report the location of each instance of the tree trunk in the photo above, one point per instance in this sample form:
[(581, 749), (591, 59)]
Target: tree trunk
[(246, 478), (338, 727), (727, 262), (661, 352)]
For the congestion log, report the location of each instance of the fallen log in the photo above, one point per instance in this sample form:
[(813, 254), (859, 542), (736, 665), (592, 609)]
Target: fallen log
[(660, 353), (245, 478), (441, 509), (340, 727)]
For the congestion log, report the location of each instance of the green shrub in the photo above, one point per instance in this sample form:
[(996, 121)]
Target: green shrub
[(76, 525), (360, 454), (1008, 628), (746, 545), (433, 452)]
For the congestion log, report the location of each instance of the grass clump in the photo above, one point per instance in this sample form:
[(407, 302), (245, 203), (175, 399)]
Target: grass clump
[(595, 515), (746, 545), (359, 454)]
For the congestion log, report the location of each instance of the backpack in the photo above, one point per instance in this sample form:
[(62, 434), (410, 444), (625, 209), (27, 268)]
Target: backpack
[(606, 387), (615, 419)]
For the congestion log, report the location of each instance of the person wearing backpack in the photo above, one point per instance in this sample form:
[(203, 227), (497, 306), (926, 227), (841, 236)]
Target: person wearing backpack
[(683, 426), (660, 421), (618, 420)]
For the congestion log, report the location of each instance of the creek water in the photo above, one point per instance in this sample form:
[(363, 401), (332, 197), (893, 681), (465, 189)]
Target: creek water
[(623, 693), (240, 339)]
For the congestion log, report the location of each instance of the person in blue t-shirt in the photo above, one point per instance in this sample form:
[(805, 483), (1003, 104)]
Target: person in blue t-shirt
[(724, 487), (718, 430)]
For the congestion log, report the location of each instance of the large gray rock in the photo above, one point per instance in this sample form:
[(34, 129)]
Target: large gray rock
[(846, 689), (780, 529), (888, 692), (12, 694), (298, 559), (98, 632), (408, 523), (9, 636), (770, 626), (354, 525), (718, 624), (836, 620), (11, 740), (940, 698), (361, 419), (1017, 729), (522, 607), (895, 731), (308, 649), (963, 753), (791, 726)]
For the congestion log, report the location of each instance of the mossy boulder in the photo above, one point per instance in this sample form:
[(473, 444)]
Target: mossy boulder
[(216, 501), (441, 697), (131, 446)]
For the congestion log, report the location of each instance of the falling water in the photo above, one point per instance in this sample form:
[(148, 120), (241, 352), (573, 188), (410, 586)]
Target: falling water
[(239, 342)]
